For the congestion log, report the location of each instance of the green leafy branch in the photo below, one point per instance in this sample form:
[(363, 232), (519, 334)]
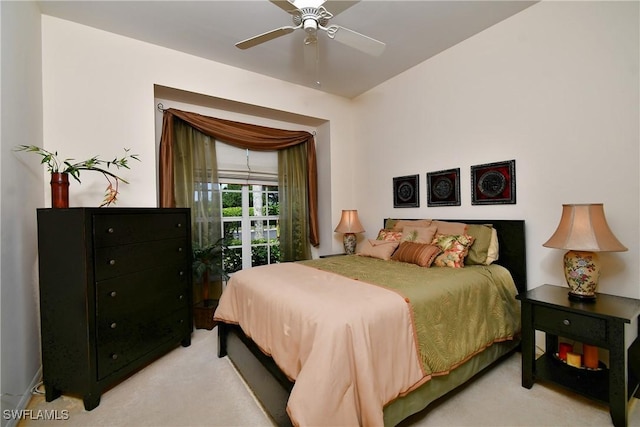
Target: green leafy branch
[(95, 163)]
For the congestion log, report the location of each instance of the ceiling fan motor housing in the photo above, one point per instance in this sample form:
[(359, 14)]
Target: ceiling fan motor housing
[(311, 18)]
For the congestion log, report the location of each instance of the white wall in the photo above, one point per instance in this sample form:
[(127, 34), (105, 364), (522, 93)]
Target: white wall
[(22, 192), (555, 87), (98, 96)]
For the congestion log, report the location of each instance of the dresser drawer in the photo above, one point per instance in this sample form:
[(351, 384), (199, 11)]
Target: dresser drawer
[(114, 261), (163, 288), (111, 230), (569, 324), (128, 341)]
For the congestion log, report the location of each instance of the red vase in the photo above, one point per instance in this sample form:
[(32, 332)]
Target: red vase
[(59, 190)]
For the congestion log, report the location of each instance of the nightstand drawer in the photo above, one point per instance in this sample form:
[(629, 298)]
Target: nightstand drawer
[(569, 324)]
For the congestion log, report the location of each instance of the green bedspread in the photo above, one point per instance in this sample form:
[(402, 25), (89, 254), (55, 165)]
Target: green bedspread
[(457, 312)]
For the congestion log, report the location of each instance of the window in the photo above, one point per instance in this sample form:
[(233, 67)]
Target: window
[(250, 213)]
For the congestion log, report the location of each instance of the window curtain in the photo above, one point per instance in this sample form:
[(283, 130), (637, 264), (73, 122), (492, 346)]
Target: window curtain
[(292, 185), (241, 135), (197, 187)]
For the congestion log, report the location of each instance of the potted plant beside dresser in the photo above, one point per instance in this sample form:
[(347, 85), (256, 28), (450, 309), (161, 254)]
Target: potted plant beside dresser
[(209, 275)]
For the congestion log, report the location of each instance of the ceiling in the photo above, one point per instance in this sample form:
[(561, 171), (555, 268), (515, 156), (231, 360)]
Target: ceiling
[(412, 30)]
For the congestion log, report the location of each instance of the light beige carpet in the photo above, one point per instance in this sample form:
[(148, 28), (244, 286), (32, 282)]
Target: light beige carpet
[(192, 387)]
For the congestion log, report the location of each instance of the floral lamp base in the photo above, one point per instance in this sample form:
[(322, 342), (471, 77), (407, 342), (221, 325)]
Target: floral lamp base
[(582, 271), (349, 241)]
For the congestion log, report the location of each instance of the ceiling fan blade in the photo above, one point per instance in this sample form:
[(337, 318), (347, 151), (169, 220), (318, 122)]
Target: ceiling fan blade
[(265, 37), (285, 5), (355, 40), (338, 6)]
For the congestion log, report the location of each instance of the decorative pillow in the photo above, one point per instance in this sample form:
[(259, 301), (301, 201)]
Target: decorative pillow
[(445, 227), (418, 234), (416, 253), (481, 240), (399, 224), (454, 249), (389, 235), (381, 249), (492, 253)]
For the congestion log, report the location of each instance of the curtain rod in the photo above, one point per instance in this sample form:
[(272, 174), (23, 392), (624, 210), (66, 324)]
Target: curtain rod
[(161, 108)]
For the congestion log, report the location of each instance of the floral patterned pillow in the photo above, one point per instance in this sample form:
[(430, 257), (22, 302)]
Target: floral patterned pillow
[(389, 235), (455, 248)]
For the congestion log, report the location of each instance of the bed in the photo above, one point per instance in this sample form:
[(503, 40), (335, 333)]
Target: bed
[(363, 303)]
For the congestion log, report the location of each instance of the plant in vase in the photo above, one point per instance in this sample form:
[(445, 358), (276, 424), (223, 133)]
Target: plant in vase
[(61, 169), (207, 265)]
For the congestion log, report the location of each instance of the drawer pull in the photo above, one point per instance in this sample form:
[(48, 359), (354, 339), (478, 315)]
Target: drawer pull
[(181, 297), (179, 225), (179, 249), (112, 262), (114, 356), (113, 325), (566, 322), (181, 273), (113, 293), (110, 230)]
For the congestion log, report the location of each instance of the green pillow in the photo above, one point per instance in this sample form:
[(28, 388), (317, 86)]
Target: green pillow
[(480, 248)]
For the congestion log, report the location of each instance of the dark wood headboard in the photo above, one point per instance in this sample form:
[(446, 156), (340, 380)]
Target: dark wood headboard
[(512, 246)]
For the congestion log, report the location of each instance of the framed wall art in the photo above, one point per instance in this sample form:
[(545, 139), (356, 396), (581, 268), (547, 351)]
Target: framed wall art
[(494, 183), (406, 191), (443, 188)]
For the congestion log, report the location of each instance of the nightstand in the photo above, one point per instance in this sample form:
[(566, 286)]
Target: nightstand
[(610, 322)]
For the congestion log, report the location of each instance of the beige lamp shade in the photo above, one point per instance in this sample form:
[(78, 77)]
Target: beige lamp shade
[(349, 225), (349, 222), (583, 227), (584, 231)]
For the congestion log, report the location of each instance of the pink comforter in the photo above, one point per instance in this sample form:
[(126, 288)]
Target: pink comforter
[(350, 347)]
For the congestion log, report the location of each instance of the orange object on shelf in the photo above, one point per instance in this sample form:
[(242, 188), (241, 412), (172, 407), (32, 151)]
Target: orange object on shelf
[(590, 353)]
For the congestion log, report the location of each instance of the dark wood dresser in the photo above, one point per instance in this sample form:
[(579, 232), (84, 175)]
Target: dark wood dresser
[(115, 294)]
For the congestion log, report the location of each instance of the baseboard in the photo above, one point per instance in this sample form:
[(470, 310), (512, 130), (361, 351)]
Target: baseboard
[(7, 420)]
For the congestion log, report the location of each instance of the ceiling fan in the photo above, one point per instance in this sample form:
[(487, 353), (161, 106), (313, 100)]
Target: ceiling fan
[(314, 15)]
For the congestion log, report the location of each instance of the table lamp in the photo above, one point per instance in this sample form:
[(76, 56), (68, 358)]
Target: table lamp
[(349, 225), (584, 231)]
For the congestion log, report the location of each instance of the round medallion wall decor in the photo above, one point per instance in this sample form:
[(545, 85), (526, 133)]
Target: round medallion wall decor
[(405, 191), (443, 187), (492, 183)]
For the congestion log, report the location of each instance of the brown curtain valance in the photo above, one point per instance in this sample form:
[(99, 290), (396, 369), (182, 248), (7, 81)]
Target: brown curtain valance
[(241, 135)]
